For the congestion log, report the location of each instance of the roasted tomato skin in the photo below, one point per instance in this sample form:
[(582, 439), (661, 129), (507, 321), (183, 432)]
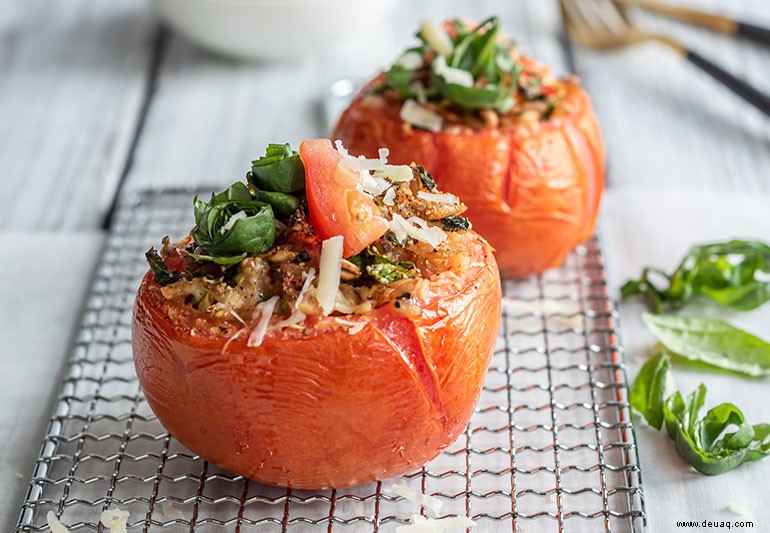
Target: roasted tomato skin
[(532, 191), (322, 407)]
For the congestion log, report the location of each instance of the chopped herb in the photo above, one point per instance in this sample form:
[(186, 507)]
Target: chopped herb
[(382, 268), (426, 178), (279, 170), (455, 223), (283, 204), (303, 257), (734, 273), (220, 260), (229, 225), (163, 275)]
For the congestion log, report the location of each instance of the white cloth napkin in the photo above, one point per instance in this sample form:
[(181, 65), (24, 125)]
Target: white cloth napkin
[(646, 227)]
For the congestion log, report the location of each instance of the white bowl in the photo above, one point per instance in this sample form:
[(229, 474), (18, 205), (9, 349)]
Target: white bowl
[(269, 29)]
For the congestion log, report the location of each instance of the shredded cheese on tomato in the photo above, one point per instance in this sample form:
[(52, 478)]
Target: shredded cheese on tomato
[(353, 327), (418, 229), (420, 116), (452, 75), (441, 198), (266, 309), (437, 38), (227, 226), (411, 60), (390, 197), (394, 173), (329, 273)]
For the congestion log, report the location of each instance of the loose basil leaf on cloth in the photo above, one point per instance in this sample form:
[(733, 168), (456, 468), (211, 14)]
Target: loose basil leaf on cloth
[(733, 273), (163, 275), (705, 443), (229, 225), (711, 341), (649, 387), (279, 170)]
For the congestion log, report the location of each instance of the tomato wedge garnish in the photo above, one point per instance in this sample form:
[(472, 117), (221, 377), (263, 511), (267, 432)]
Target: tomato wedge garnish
[(337, 206)]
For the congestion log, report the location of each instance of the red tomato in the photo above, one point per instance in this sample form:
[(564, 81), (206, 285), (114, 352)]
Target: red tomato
[(321, 407), (336, 206), (532, 191)]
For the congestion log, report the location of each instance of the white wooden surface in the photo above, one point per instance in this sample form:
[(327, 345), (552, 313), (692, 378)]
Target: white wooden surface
[(74, 80)]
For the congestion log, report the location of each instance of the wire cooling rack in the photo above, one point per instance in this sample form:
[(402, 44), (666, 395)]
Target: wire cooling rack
[(549, 448)]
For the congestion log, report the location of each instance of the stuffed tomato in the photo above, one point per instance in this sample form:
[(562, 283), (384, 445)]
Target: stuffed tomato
[(520, 147), (326, 324)]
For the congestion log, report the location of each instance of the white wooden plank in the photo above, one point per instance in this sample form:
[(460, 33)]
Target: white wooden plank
[(37, 322), (212, 116), (664, 121), (72, 78)]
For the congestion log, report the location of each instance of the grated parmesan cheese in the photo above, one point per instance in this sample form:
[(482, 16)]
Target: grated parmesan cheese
[(293, 319), (420, 116), (115, 519), (266, 309), (737, 509), (420, 524), (441, 198), (53, 523), (437, 38), (169, 511), (373, 185), (230, 223), (389, 198), (360, 162), (353, 327), (421, 231), (429, 502), (452, 75), (410, 60), (329, 273), (394, 173)]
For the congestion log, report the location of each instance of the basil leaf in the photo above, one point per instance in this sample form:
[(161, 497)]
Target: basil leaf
[(496, 97), (220, 260), (382, 268), (279, 170), (226, 226), (733, 273), (283, 204), (705, 444), (647, 392), (163, 275), (399, 78), (426, 178), (455, 223), (711, 341)]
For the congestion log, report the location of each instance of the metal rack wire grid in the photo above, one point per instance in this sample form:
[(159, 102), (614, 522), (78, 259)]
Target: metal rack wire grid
[(549, 448)]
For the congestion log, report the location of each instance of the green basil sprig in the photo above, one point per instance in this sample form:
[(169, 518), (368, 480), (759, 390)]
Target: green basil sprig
[(383, 269), (279, 170), (703, 442), (711, 341), (734, 273), (225, 233), (478, 52)]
